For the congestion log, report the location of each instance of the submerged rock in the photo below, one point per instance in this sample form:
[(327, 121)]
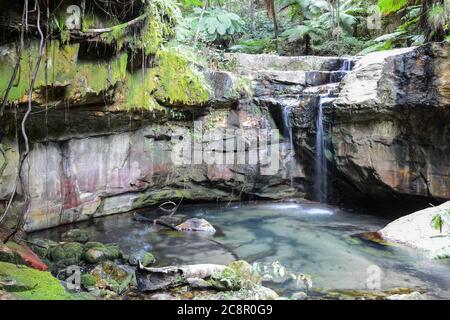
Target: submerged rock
[(75, 235), (197, 225)]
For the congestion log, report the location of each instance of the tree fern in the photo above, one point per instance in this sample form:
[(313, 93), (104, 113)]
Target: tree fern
[(391, 6)]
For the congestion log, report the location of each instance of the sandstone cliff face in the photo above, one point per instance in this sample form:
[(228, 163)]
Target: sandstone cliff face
[(95, 158), (391, 123), (388, 131), (418, 231)]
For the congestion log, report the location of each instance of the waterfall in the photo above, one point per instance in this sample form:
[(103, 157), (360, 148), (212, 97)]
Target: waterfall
[(321, 181), (347, 66), (321, 159), (287, 132)]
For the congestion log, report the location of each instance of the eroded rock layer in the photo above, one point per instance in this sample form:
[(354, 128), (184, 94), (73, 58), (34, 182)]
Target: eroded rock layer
[(387, 128)]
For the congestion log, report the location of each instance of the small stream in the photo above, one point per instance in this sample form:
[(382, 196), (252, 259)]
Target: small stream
[(308, 238)]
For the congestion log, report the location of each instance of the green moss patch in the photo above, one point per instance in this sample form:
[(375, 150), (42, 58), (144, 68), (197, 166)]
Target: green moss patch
[(31, 284), (172, 81)]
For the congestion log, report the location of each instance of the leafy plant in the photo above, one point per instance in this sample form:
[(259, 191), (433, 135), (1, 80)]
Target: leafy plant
[(432, 16), (210, 26), (276, 271), (391, 6), (440, 220)]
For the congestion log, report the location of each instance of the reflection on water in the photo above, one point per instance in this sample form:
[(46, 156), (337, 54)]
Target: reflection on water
[(305, 238)]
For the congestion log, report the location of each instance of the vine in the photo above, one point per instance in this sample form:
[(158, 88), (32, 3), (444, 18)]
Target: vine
[(24, 155), (3, 151)]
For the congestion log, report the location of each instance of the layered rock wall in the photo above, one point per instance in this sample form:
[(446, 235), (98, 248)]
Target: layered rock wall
[(388, 132)]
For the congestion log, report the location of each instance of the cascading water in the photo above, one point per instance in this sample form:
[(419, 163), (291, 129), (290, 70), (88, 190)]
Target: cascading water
[(321, 181), (287, 127), (347, 66), (321, 160)]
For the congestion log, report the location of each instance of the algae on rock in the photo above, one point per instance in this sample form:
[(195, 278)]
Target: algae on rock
[(31, 284)]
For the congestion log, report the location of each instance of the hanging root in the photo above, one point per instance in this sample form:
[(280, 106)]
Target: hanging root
[(5, 159), (24, 155)]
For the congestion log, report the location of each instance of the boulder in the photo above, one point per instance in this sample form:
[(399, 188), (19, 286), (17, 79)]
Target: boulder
[(66, 254), (20, 254), (42, 247), (143, 257), (95, 252), (110, 276), (417, 230), (196, 225), (88, 281)]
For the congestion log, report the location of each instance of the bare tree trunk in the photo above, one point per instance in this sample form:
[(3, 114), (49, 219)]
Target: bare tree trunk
[(197, 33), (252, 15)]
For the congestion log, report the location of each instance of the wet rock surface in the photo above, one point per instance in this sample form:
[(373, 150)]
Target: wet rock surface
[(196, 225), (94, 252), (391, 124), (382, 144), (426, 230)]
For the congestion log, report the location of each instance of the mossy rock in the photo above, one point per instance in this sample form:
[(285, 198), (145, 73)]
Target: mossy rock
[(95, 252), (88, 280), (42, 247), (236, 276), (75, 235), (32, 284), (66, 254), (144, 257), (8, 255), (245, 271), (226, 280), (110, 276)]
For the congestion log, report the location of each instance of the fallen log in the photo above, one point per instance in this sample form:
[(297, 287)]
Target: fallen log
[(138, 217), (152, 279)]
